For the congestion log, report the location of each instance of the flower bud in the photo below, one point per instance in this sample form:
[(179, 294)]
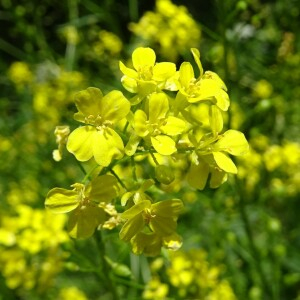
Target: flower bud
[(164, 174)]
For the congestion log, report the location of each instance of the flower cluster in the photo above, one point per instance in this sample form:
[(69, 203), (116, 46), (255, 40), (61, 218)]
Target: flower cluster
[(157, 122), (30, 245), (280, 162), (170, 27), (192, 276)]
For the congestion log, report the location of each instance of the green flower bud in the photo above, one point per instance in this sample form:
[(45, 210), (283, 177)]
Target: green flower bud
[(164, 174)]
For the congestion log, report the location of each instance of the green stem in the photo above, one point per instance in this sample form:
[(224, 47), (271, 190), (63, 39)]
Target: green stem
[(88, 174), (253, 248), (133, 169), (118, 178), (12, 50), (81, 168), (223, 20), (71, 47), (110, 286), (154, 158), (133, 10)]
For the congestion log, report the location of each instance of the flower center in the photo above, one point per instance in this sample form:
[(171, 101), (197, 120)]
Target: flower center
[(145, 73)]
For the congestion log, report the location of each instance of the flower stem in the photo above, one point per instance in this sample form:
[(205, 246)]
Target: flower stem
[(118, 178), (110, 286)]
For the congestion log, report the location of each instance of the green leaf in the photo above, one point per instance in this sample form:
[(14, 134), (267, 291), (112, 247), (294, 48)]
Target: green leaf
[(224, 162), (60, 200), (107, 146), (80, 142), (163, 144)]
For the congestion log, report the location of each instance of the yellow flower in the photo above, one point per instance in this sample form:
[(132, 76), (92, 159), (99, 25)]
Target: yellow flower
[(157, 126), (170, 28), (85, 203), (147, 76), (98, 139), (61, 133), (208, 86), (19, 72), (211, 157), (160, 217)]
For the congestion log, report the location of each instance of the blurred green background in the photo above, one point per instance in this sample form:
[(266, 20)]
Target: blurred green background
[(241, 241)]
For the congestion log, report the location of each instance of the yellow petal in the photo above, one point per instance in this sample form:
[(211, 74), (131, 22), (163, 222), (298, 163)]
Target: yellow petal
[(140, 123), (107, 145), (186, 74), (84, 220), (80, 142), (127, 71), (224, 162), (114, 106), (147, 243), (233, 142), (158, 107), (173, 241), (216, 78), (132, 144), (163, 71), (60, 200), (167, 208), (87, 101), (174, 126), (143, 57), (215, 119), (217, 178), (163, 226), (136, 209), (103, 188), (132, 227), (163, 144), (196, 55), (129, 84)]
